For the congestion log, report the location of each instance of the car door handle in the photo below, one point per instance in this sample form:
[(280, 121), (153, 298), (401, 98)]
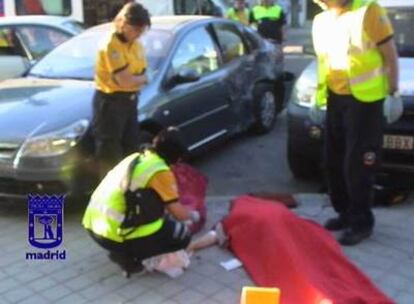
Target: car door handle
[(166, 112)]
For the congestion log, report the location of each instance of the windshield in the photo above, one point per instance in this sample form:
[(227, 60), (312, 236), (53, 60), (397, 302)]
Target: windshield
[(403, 20), (75, 59)]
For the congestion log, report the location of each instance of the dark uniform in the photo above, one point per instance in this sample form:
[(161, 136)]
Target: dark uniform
[(270, 21), (115, 122)]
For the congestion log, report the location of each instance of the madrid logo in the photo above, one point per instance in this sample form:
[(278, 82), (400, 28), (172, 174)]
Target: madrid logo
[(45, 225)]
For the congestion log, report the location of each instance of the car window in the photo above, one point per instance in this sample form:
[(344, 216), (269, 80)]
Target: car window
[(43, 7), (40, 40), (10, 43), (196, 51), (402, 20), (76, 58), (252, 39), (230, 40)]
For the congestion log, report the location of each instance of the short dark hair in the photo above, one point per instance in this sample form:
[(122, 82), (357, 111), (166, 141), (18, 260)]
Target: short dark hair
[(136, 14), (169, 144)]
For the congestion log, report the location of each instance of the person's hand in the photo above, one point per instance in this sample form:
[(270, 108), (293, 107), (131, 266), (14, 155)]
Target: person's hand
[(316, 114), (393, 108), (195, 216)]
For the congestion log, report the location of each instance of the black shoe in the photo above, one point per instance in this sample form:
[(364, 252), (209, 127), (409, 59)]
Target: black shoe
[(336, 223), (352, 237)]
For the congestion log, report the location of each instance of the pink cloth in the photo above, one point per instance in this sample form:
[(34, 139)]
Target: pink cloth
[(192, 186)]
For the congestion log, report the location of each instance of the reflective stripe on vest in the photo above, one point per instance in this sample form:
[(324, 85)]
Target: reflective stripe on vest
[(367, 78), (262, 12), (232, 14), (105, 212)]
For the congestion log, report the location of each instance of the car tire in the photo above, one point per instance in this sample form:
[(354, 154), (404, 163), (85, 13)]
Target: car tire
[(264, 108), (300, 166)]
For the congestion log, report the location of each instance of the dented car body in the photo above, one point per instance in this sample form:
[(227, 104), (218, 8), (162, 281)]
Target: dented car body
[(211, 77)]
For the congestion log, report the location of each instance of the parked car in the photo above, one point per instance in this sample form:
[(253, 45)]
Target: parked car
[(25, 39), (305, 138), (212, 78)]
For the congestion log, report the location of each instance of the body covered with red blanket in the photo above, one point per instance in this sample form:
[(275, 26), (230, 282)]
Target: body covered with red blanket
[(280, 249)]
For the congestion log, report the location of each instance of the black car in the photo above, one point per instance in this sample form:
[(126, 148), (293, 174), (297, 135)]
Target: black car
[(305, 138), (212, 78)]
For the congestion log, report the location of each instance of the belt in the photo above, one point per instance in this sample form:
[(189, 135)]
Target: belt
[(121, 95)]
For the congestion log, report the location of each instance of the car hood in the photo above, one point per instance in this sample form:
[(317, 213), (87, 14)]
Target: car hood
[(406, 82), (32, 106)]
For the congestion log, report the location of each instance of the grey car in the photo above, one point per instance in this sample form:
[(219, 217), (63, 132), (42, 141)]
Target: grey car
[(211, 77)]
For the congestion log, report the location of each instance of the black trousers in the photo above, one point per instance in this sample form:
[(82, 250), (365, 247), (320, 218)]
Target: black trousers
[(353, 143), (171, 237), (115, 128)]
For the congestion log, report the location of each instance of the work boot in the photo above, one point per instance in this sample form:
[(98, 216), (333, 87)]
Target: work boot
[(128, 265), (336, 223), (353, 236)]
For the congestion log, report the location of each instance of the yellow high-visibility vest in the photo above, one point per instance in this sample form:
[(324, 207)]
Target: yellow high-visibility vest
[(365, 67), (232, 15), (106, 210), (262, 12)]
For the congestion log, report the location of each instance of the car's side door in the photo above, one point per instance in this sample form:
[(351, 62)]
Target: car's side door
[(13, 56), (193, 90), (238, 62)]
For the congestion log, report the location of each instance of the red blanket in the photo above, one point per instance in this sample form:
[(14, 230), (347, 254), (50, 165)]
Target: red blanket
[(280, 249), (192, 186)]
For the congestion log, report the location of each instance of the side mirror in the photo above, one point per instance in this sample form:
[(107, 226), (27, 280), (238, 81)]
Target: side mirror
[(184, 75)]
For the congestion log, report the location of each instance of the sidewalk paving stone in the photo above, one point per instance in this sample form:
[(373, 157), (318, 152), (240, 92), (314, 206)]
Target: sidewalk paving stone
[(88, 276)]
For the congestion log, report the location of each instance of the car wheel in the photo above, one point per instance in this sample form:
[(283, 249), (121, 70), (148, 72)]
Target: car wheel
[(265, 108), (300, 166)]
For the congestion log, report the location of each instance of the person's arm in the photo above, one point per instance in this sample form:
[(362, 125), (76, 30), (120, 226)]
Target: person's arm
[(389, 53), (179, 212), (126, 80)]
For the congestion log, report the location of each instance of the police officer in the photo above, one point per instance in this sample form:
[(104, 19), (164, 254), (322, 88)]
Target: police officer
[(119, 75), (239, 12), (126, 212), (357, 69), (270, 20)]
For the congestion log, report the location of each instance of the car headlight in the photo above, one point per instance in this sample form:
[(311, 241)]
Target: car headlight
[(304, 93), (55, 143)]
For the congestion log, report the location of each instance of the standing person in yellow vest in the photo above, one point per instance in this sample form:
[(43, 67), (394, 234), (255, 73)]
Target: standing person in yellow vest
[(126, 212), (119, 76), (269, 19), (357, 69), (239, 12)]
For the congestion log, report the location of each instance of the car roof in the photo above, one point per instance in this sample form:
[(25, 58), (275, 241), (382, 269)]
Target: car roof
[(396, 3), (34, 19), (169, 23)]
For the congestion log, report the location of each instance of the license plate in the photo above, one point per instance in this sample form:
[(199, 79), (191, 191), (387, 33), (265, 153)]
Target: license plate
[(396, 142)]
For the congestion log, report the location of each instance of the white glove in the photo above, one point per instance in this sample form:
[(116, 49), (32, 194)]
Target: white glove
[(316, 114), (393, 108), (195, 216)]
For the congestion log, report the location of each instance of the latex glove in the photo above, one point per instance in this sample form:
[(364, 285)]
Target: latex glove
[(393, 108), (316, 114), (195, 216)]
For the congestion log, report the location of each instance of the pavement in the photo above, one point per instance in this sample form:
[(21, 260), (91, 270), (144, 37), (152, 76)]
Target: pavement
[(87, 276)]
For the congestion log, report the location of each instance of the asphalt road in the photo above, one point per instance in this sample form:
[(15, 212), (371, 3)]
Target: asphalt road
[(251, 163)]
